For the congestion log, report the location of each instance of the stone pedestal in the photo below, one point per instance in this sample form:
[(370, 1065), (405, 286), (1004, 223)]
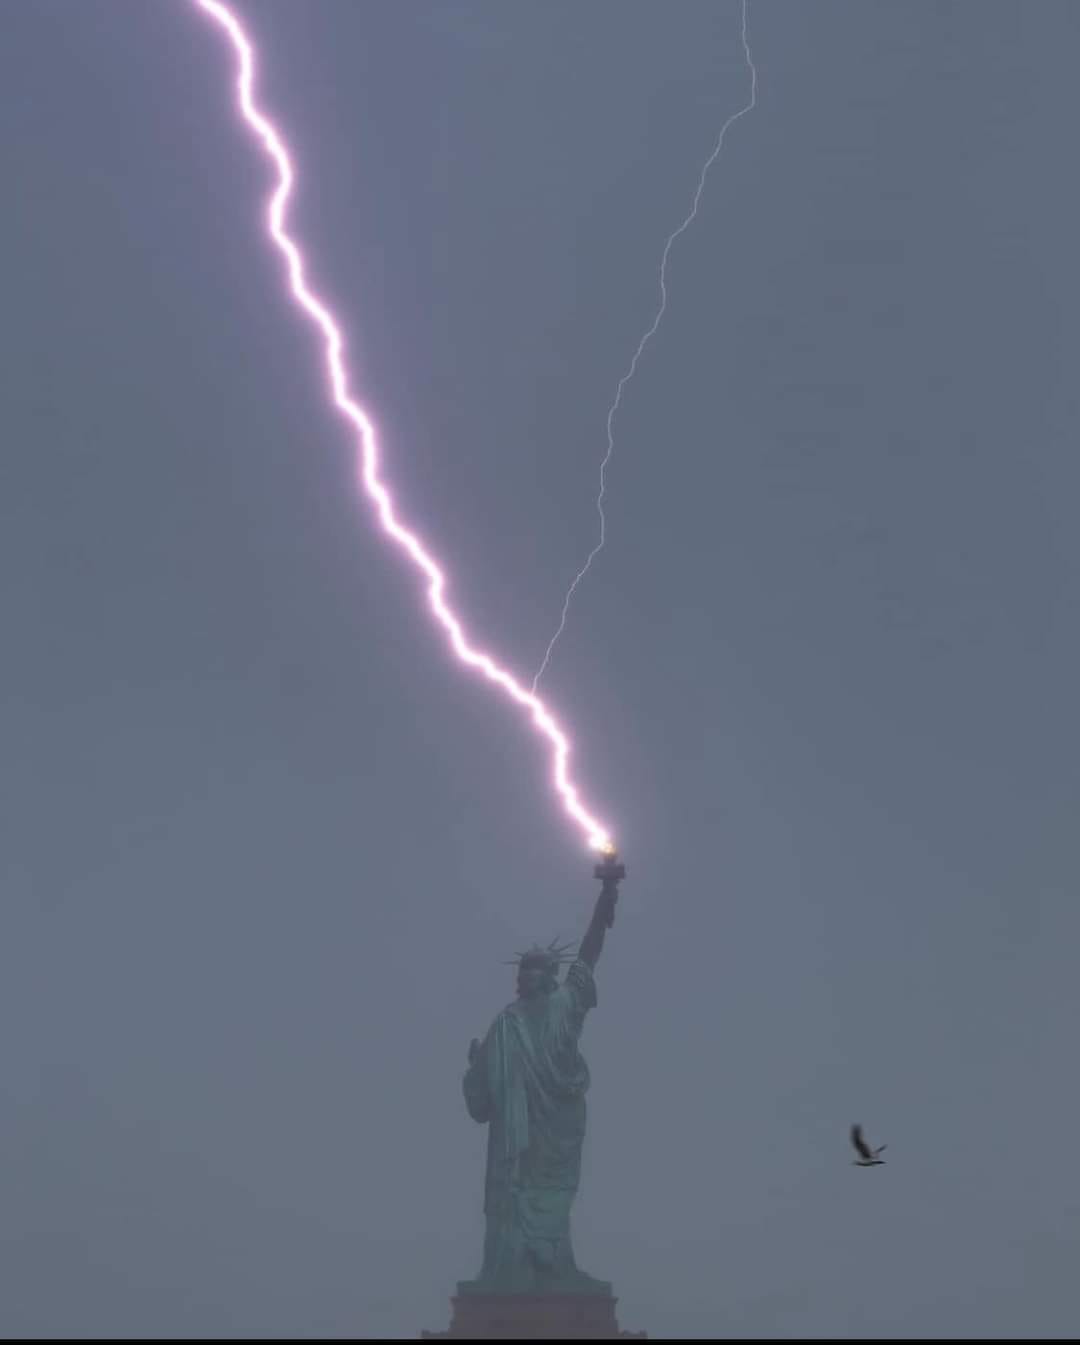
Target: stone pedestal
[(533, 1317)]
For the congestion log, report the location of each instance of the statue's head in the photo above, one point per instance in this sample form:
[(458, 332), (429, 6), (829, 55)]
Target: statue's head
[(538, 970)]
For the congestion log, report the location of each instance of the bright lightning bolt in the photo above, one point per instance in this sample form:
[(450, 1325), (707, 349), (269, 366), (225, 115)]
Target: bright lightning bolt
[(645, 341), (597, 835)]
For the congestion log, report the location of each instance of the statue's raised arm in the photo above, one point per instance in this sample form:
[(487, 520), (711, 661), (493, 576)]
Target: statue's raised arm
[(610, 871)]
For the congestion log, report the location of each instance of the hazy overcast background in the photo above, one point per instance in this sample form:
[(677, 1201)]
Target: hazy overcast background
[(264, 846)]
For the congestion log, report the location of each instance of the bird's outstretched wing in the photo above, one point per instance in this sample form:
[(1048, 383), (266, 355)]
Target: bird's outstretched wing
[(859, 1143)]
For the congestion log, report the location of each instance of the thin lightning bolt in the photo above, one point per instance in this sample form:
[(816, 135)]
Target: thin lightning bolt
[(596, 833), (645, 341)]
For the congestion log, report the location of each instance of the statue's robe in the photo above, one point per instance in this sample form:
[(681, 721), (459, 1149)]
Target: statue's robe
[(528, 1083)]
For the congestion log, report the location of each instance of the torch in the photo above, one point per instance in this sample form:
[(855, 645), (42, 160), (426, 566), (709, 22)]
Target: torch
[(610, 870)]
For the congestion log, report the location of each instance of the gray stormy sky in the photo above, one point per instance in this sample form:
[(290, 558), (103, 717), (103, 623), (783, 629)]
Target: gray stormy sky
[(264, 847)]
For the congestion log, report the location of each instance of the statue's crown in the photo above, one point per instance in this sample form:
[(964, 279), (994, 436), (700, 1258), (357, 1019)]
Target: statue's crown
[(551, 958)]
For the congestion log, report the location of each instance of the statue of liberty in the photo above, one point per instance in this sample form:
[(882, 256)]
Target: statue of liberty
[(527, 1083)]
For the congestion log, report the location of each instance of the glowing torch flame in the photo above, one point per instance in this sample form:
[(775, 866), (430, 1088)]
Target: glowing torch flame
[(273, 146)]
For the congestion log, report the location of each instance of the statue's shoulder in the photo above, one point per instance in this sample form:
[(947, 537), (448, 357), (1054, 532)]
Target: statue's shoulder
[(579, 972)]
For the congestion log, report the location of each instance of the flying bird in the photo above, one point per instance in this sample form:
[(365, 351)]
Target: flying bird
[(868, 1158)]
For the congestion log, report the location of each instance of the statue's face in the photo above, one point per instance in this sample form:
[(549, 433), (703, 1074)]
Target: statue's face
[(532, 979)]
